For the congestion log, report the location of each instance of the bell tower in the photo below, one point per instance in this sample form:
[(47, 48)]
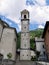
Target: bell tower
[(25, 36)]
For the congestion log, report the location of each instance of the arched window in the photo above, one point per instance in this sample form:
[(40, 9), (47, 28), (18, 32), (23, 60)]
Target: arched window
[(24, 16)]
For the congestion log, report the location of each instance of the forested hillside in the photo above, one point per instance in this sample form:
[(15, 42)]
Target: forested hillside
[(33, 34)]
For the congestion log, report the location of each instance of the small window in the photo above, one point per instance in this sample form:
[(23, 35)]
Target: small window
[(27, 54), (25, 27), (43, 46), (44, 53), (24, 16), (15, 39), (23, 55)]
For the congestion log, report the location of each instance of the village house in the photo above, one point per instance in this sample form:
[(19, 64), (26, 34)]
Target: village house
[(42, 44), (40, 47), (8, 40), (46, 38)]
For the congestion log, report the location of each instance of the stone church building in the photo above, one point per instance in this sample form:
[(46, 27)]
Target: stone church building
[(8, 40)]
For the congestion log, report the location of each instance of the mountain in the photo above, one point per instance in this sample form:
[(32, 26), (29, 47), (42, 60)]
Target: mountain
[(10, 22), (33, 33)]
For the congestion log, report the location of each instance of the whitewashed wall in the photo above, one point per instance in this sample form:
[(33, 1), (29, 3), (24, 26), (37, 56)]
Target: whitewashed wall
[(8, 42), (25, 55), (39, 45)]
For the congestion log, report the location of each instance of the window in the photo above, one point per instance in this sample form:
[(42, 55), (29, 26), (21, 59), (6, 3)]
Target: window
[(27, 54), (15, 39), (23, 55), (43, 46), (44, 53), (24, 16), (25, 27)]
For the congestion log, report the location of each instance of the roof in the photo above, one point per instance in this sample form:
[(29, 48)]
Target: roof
[(39, 39), (25, 11), (3, 23), (45, 29)]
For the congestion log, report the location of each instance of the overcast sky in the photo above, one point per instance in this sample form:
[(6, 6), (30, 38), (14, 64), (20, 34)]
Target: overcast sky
[(39, 11)]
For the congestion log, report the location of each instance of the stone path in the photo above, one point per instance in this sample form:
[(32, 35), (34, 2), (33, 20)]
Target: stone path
[(26, 63), (43, 63)]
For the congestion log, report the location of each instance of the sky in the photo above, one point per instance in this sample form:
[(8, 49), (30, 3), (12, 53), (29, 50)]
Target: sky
[(38, 9)]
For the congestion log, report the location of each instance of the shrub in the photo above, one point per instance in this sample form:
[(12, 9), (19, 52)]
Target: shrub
[(38, 53), (33, 58), (9, 55)]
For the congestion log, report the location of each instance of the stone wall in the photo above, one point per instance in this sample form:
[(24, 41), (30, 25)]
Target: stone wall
[(8, 43)]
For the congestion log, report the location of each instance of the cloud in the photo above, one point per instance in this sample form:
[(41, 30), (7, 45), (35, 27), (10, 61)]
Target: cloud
[(11, 9), (41, 26), (39, 12), (36, 2), (41, 2)]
